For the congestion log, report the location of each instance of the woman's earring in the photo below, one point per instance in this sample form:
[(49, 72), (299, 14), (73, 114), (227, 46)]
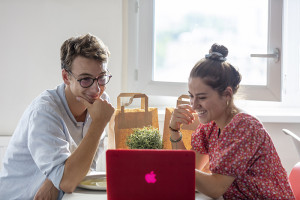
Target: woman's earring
[(227, 103)]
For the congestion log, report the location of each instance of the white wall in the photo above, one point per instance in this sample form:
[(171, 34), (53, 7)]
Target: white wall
[(31, 33)]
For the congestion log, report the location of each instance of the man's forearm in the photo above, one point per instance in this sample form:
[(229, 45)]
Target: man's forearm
[(78, 164), (47, 191)]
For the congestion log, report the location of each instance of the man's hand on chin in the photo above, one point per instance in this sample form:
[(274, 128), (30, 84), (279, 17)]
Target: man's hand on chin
[(47, 191)]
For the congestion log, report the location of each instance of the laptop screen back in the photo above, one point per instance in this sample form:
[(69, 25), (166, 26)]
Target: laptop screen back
[(150, 174)]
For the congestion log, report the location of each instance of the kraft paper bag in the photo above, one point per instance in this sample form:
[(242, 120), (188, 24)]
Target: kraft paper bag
[(125, 119), (186, 130)]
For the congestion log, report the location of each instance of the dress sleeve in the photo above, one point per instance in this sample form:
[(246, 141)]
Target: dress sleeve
[(239, 148), (47, 143), (199, 140)]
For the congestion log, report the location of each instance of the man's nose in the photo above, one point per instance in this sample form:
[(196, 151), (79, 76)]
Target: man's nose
[(96, 87)]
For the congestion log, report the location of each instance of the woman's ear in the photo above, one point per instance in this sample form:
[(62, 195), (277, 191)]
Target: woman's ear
[(228, 93), (65, 76)]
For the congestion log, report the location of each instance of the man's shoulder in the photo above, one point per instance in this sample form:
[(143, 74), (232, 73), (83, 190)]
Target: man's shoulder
[(49, 100)]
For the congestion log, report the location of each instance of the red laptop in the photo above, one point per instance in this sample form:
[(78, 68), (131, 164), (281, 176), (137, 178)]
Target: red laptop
[(150, 174)]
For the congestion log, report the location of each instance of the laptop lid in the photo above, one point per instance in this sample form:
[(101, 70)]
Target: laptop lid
[(150, 174)]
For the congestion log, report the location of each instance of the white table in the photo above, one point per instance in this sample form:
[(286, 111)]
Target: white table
[(82, 194)]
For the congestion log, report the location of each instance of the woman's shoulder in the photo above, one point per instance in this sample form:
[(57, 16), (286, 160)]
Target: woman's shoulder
[(245, 120)]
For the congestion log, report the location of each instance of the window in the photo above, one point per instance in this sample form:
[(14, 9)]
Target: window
[(184, 34), (264, 79)]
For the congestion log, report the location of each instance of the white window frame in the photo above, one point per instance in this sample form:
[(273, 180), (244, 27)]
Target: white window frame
[(138, 54), (141, 42)]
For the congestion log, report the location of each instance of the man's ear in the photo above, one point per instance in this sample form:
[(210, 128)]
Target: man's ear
[(65, 77)]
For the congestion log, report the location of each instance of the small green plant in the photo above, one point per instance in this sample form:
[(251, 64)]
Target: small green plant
[(144, 138)]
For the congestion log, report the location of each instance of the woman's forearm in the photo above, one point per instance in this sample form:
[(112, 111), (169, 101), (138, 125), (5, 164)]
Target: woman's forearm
[(212, 185)]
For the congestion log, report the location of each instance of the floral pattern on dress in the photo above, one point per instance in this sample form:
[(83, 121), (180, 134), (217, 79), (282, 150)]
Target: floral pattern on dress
[(245, 151)]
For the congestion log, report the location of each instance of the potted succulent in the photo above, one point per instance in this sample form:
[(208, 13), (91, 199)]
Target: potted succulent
[(147, 137)]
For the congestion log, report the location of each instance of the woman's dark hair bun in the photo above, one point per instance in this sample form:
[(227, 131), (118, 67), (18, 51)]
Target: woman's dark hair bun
[(219, 49)]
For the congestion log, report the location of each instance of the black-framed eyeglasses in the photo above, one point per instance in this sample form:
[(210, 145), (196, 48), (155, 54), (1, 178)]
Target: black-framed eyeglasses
[(88, 81)]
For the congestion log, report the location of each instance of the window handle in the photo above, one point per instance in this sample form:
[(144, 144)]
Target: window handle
[(275, 55)]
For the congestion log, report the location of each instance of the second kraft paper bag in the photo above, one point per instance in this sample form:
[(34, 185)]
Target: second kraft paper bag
[(186, 130)]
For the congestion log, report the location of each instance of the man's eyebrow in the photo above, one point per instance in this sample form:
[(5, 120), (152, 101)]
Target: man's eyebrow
[(87, 74), (104, 72), (84, 74)]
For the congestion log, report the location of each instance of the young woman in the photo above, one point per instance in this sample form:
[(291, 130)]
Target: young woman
[(243, 161)]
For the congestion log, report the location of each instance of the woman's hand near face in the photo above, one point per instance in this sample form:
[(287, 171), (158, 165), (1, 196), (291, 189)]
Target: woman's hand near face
[(183, 114)]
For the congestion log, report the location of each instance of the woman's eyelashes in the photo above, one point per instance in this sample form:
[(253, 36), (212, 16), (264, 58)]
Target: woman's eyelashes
[(198, 98)]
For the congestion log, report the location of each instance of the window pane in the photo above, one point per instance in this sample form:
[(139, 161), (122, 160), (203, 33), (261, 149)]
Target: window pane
[(185, 31)]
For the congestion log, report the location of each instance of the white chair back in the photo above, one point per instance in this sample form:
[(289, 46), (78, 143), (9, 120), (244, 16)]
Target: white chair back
[(296, 139)]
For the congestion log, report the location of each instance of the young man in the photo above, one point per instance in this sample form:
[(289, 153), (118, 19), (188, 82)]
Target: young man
[(60, 135)]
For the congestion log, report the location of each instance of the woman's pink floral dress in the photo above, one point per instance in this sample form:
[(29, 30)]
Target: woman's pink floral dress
[(245, 151)]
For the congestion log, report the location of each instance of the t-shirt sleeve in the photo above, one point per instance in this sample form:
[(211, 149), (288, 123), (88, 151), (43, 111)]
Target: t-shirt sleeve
[(239, 148), (47, 144)]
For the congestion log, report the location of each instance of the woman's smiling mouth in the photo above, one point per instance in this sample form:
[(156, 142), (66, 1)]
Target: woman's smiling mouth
[(201, 112)]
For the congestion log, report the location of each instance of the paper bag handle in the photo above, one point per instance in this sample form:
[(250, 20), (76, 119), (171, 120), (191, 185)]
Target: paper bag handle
[(181, 100), (144, 100)]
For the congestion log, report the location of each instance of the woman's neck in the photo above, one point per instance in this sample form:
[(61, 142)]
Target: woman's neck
[(229, 114)]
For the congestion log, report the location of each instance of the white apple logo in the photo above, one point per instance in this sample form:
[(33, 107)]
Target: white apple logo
[(150, 177)]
